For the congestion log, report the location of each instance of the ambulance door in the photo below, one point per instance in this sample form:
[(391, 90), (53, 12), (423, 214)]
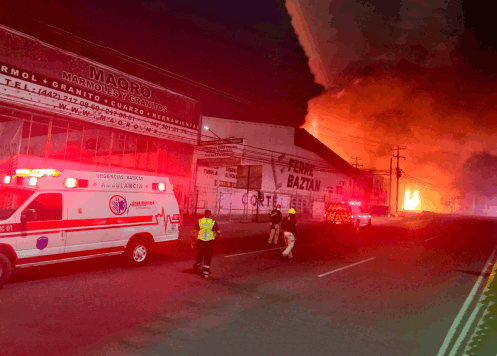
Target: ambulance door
[(86, 223), (42, 233)]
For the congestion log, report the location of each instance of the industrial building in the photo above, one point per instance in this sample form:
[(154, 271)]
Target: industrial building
[(288, 166)]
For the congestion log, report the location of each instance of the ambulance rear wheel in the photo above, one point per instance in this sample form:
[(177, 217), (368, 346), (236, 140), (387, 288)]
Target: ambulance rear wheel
[(5, 269), (138, 252)]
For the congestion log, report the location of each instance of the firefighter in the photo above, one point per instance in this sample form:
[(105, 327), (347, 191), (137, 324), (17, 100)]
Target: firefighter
[(275, 217), (204, 234), (289, 227)]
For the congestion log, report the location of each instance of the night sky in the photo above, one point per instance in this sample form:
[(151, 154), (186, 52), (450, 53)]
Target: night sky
[(249, 51), (362, 76)]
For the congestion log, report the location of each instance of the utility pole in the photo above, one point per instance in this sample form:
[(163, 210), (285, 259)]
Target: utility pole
[(390, 191), (356, 166), (399, 174)]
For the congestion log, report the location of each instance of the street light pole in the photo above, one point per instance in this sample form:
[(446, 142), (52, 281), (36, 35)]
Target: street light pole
[(208, 129)]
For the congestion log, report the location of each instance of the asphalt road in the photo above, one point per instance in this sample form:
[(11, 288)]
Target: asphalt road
[(394, 290)]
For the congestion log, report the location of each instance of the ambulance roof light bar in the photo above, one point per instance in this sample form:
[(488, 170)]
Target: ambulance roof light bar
[(44, 172)]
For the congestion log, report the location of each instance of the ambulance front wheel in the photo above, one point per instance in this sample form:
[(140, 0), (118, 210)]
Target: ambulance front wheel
[(5, 269), (138, 252)]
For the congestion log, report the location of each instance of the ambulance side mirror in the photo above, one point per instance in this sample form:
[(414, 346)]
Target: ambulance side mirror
[(28, 215)]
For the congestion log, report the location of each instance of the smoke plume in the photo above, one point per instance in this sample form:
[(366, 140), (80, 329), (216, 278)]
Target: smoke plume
[(394, 75)]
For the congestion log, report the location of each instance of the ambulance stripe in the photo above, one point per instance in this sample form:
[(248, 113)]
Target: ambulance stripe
[(35, 227), (60, 256), (67, 257)]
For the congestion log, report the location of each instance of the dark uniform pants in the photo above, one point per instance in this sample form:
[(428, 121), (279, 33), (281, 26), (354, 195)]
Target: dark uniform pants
[(205, 250)]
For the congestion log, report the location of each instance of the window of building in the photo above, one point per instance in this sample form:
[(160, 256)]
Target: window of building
[(89, 147), (129, 155), (58, 142), (38, 140), (116, 159), (62, 138), (26, 134)]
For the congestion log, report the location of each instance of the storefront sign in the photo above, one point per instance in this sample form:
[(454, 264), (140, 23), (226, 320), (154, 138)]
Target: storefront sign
[(230, 150), (300, 176), (38, 75), (217, 176)]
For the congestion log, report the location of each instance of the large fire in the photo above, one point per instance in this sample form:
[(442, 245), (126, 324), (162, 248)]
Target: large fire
[(411, 203)]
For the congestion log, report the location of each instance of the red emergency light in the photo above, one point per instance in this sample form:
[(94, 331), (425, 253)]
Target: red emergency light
[(75, 183), (159, 186), (71, 183)]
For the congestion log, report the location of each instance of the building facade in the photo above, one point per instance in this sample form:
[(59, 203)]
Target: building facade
[(61, 110), (288, 166)]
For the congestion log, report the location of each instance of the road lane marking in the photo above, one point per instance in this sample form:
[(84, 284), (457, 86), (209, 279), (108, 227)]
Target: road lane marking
[(246, 253), (431, 238), (353, 264), (467, 302), (464, 332), (475, 340)]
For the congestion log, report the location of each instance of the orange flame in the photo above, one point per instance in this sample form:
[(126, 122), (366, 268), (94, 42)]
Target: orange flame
[(411, 203)]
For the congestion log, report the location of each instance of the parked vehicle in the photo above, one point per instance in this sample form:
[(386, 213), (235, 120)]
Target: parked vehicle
[(47, 216), (349, 216)]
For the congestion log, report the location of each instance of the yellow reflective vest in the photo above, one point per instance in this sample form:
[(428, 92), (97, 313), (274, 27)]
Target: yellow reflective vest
[(205, 233)]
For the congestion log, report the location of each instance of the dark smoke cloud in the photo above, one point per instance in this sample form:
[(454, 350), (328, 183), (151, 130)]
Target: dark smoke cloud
[(394, 73), (347, 38), (478, 174)]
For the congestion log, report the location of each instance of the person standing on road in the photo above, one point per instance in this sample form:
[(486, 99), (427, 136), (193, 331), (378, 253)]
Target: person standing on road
[(275, 217), (204, 234), (289, 227)]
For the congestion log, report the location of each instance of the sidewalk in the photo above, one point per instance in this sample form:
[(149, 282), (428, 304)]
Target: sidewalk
[(236, 229)]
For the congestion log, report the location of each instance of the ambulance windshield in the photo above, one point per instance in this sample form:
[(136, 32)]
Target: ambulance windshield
[(11, 199)]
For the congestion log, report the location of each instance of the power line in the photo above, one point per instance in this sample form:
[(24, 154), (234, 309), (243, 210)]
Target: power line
[(419, 184), (425, 183), (263, 157), (279, 153), (354, 136), (360, 143), (144, 64)]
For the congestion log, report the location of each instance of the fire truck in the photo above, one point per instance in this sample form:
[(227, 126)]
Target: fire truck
[(49, 216)]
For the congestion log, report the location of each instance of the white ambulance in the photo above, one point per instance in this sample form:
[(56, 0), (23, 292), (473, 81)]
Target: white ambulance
[(49, 216)]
